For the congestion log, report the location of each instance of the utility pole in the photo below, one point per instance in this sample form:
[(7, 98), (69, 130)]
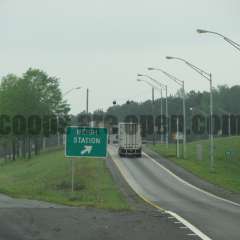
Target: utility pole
[(87, 97)]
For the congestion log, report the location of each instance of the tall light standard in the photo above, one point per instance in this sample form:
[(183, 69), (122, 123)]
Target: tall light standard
[(152, 87), (162, 86), (234, 44), (72, 162), (181, 83), (160, 89), (64, 94), (207, 76)]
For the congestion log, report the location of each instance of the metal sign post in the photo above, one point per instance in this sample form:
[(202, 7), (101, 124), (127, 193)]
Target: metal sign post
[(72, 165), (82, 142)]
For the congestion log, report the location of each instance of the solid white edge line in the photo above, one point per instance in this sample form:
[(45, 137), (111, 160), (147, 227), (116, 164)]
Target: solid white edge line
[(173, 215), (189, 184), (189, 225)]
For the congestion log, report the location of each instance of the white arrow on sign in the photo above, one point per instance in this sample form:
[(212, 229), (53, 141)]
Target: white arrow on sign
[(87, 149)]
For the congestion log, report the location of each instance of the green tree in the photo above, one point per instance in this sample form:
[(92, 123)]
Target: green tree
[(34, 94)]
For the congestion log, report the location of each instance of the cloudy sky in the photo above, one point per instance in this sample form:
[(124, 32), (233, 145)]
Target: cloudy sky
[(103, 44)]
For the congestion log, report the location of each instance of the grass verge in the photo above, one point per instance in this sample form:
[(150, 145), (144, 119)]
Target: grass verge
[(226, 171), (47, 177)]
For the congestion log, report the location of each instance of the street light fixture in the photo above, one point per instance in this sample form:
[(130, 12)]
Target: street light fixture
[(181, 83), (147, 82), (64, 94), (70, 90), (207, 76), (234, 44), (161, 86)]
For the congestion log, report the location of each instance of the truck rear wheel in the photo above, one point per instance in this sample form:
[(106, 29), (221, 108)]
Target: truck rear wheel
[(120, 152)]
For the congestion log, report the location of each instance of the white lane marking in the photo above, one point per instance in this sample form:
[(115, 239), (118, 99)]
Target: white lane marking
[(190, 185), (172, 214), (190, 226), (133, 184), (184, 227)]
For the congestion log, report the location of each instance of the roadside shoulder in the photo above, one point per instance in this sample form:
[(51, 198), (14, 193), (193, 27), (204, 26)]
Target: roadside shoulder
[(193, 179)]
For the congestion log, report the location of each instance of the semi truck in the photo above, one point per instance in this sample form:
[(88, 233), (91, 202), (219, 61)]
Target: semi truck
[(129, 140)]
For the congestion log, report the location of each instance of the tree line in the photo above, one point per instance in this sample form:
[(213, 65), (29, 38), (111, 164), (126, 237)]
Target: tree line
[(225, 106), (30, 108)]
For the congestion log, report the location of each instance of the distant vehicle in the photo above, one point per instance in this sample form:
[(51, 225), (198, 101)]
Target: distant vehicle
[(113, 134), (129, 140)]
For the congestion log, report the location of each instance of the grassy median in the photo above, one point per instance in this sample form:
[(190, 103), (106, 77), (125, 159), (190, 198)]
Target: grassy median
[(226, 171), (47, 177)]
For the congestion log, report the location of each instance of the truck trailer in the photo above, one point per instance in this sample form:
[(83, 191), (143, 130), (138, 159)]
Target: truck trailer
[(129, 140)]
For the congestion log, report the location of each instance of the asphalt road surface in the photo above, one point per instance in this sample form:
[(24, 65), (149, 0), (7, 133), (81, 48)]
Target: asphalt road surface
[(34, 220), (214, 217), (86, 224), (22, 219)]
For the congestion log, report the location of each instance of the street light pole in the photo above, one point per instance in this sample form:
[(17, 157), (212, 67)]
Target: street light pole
[(167, 134), (64, 94), (234, 44), (153, 113), (207, 76), (181, 83), (161, 119), (161, 116)]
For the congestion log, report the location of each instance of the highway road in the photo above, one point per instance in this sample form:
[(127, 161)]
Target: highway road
[(209, 216), (22, 219)]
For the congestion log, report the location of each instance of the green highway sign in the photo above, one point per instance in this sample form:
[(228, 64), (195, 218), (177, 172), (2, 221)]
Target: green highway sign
[(86, 142)]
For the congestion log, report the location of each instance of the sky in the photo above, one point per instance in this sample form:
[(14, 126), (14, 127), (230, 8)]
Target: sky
[(102, 45)]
